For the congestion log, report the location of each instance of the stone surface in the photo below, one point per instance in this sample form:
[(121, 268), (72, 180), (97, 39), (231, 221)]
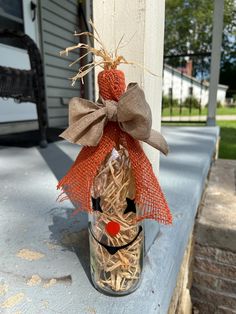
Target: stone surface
[(210, 281), (218, 255), (205, 251), (30, 218), (225, 310), (214, 297), (226, 257), (216, 225), (205, 280), (217, 269), (227, 285), (201, 307)]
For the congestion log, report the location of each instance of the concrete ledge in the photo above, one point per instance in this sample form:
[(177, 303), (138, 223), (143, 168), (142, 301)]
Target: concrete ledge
[(216, 223), (32, 219), (183, 175)]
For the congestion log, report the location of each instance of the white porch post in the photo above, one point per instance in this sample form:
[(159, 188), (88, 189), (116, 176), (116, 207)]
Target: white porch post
[(142, 22), (215, 60)]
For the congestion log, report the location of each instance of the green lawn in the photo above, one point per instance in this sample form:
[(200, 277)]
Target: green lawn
[(228, 137), (195, 112)]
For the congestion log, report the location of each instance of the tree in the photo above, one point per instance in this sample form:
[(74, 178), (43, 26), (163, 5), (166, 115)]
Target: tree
[(188, 26), (227, 77), (188, 29)]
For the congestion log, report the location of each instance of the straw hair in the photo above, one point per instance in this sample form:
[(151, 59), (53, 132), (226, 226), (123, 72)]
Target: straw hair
[(101, 56)]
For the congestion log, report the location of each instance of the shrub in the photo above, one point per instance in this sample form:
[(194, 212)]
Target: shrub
[(175, 102), (192, 102), (166, 102), (219, 104)]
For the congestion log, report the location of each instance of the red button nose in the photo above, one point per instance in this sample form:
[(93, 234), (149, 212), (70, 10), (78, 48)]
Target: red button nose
[(112, 228)]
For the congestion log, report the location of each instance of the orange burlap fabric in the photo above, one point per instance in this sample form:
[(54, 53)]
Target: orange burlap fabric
[(77, 183), (111, 84)]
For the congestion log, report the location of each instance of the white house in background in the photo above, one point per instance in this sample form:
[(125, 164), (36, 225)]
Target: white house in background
[(181, 86)]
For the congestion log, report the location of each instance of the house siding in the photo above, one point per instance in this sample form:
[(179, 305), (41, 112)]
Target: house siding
[(180, 86), (59, 20)]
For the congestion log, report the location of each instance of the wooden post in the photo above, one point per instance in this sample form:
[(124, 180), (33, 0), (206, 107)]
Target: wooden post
[(215, 60), (142, 23)]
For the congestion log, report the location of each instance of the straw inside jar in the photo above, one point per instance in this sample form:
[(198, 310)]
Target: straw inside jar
[(113, 184)]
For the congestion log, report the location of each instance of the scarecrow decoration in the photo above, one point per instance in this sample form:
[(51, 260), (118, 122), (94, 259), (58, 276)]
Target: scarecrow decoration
[(112, 179)]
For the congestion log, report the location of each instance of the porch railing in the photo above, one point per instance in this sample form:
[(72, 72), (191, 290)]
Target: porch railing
[(185, 87)]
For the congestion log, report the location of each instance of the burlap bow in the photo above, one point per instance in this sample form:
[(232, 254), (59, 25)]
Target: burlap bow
[(87, 119)]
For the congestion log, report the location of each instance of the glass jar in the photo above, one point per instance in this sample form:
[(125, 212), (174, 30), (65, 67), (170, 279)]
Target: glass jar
[(116, 238)]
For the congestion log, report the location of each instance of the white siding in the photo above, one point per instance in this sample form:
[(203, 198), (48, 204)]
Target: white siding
[(221, 94), (181, 84), (59, 20)]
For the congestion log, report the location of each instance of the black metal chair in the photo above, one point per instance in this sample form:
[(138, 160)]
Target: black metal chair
[(26, 85)]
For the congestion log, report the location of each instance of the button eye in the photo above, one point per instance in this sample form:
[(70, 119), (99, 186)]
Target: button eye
[(130, 206), (96, 204)]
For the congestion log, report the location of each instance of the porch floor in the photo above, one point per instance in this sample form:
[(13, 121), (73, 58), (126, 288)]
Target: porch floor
[(44, 253)]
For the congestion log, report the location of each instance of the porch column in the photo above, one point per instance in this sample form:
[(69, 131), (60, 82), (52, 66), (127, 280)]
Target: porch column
[(142, 23), (215, 60)]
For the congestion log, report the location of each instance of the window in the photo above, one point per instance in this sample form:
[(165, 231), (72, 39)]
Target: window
[(11, 17), (190, 91)]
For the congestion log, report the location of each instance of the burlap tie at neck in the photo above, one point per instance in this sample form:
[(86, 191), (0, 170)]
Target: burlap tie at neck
[(111, 107), (87, 119)]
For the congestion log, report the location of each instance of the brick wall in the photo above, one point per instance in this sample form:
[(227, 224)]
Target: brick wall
[(214, 281)]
